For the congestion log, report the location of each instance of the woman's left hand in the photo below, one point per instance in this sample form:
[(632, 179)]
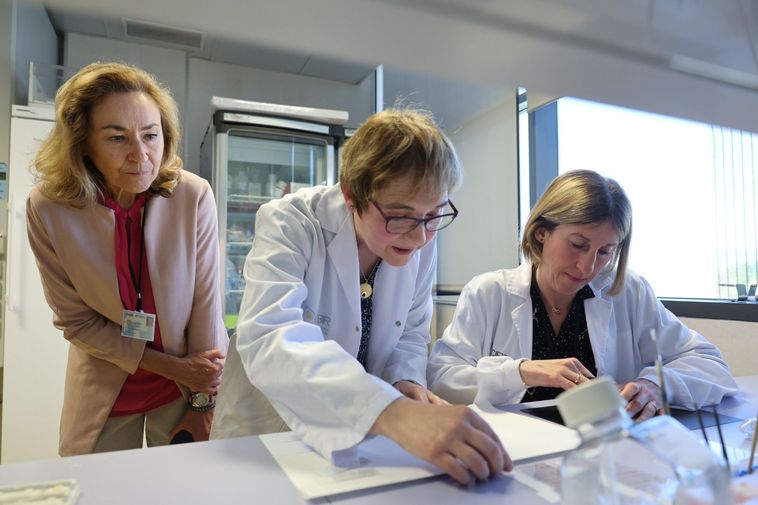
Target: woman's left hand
[(644, 399), (419, 393), (198, 424)]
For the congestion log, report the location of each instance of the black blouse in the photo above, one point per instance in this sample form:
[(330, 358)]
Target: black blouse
[(367, 312), (572, 339)]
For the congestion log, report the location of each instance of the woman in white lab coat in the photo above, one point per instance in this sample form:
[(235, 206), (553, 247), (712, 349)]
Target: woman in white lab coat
[(571, 312), (334, 326)]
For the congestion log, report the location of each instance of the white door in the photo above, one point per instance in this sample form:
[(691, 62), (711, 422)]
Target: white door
[(35, 352)]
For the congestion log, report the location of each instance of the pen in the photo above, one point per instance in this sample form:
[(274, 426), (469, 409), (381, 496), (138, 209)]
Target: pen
[(721, 437), (702, 427), (659, 370), (752, 449)]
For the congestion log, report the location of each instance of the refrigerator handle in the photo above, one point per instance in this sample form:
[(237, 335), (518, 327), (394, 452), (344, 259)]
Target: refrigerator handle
[(17, 229)]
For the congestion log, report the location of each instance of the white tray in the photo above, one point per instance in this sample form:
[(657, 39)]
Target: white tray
[(58, 492)]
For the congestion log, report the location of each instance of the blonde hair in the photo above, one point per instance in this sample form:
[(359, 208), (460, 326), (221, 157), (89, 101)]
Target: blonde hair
[(63, 174), (582, 197), (392, 144)]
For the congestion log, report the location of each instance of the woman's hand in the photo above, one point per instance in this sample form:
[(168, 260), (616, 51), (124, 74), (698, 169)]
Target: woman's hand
[(198, 424), (454, 438), (199, 372), (563, 373), (644, 399), (417, 392)]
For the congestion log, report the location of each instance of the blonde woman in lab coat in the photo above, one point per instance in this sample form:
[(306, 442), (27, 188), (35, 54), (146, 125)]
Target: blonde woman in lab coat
[(572, 312), (334, 325)]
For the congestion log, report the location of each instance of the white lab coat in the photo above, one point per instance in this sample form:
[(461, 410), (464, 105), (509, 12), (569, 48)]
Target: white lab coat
[(478, 355), (300, 328)]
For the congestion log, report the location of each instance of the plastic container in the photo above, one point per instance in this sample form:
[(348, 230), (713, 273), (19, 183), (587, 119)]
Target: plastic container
[(590, 475)]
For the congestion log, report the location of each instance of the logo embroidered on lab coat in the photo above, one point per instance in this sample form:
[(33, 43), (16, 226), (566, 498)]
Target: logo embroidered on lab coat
[(321, 320)]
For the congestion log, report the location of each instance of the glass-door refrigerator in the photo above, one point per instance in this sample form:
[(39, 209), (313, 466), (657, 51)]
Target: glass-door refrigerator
[(254, 152)]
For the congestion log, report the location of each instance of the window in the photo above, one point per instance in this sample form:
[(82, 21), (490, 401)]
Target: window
[(693, 189)]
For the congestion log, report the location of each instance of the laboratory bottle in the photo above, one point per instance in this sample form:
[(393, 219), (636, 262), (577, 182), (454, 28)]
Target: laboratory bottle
[(704, 478), (588, 473), (592, 473)]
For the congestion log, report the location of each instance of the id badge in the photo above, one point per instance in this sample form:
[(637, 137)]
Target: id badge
[(139, 325)]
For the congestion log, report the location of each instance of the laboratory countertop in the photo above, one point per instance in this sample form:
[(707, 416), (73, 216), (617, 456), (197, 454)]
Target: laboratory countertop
[(242, 471)]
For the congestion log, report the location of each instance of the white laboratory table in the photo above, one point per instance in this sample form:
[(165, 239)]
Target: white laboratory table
[(238, 471), (742, 406)]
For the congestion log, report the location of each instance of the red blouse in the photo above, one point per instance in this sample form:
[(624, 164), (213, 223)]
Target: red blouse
[(143, 390)]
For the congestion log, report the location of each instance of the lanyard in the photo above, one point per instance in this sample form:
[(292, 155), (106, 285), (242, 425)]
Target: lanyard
[(136, 280)]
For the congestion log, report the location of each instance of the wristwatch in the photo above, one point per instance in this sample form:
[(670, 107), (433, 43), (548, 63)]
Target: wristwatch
[(200, 402)]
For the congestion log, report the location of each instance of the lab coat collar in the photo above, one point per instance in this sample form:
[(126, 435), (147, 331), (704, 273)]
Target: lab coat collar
[(520, 283), (602, 281), (598, 310), (332, 210), (343, 247), (343, 253), (518, 286)]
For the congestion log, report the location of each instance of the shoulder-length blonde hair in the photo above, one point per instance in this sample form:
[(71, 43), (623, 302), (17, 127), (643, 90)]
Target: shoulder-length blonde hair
[(63, 174), (392, 144), (582, 197)]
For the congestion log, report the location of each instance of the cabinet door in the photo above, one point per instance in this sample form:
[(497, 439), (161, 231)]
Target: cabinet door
[(35, 351), (262, 166)]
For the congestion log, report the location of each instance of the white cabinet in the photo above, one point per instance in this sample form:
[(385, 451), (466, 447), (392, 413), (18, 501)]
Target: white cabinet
[(35, 352)]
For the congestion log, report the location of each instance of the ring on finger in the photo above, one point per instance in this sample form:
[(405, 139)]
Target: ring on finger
[(578, 376)]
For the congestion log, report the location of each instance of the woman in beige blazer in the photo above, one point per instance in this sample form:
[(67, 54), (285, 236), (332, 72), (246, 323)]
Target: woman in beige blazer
[(126, 244)]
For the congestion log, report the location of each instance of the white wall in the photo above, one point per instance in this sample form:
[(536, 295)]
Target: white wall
[(485, 235), (738, 341), (168, 65), (453, 102), (481, 122), (208, 78)]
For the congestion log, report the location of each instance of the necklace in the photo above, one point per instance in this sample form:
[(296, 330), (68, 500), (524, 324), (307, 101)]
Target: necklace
[(366, 286)]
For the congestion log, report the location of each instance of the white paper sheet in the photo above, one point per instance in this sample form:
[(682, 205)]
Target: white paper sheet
[(383, 462), (527, 438)]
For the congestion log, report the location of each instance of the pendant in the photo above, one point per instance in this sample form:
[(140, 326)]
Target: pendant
[(366, 290)]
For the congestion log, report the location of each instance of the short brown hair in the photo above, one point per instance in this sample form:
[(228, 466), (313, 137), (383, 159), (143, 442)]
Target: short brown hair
[(582, 197), (392, 144), (63, 173)]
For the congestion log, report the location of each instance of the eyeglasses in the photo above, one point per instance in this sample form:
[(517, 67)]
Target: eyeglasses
[(402, 225)]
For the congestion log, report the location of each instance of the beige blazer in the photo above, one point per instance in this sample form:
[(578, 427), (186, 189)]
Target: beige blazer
[(75, 255)]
